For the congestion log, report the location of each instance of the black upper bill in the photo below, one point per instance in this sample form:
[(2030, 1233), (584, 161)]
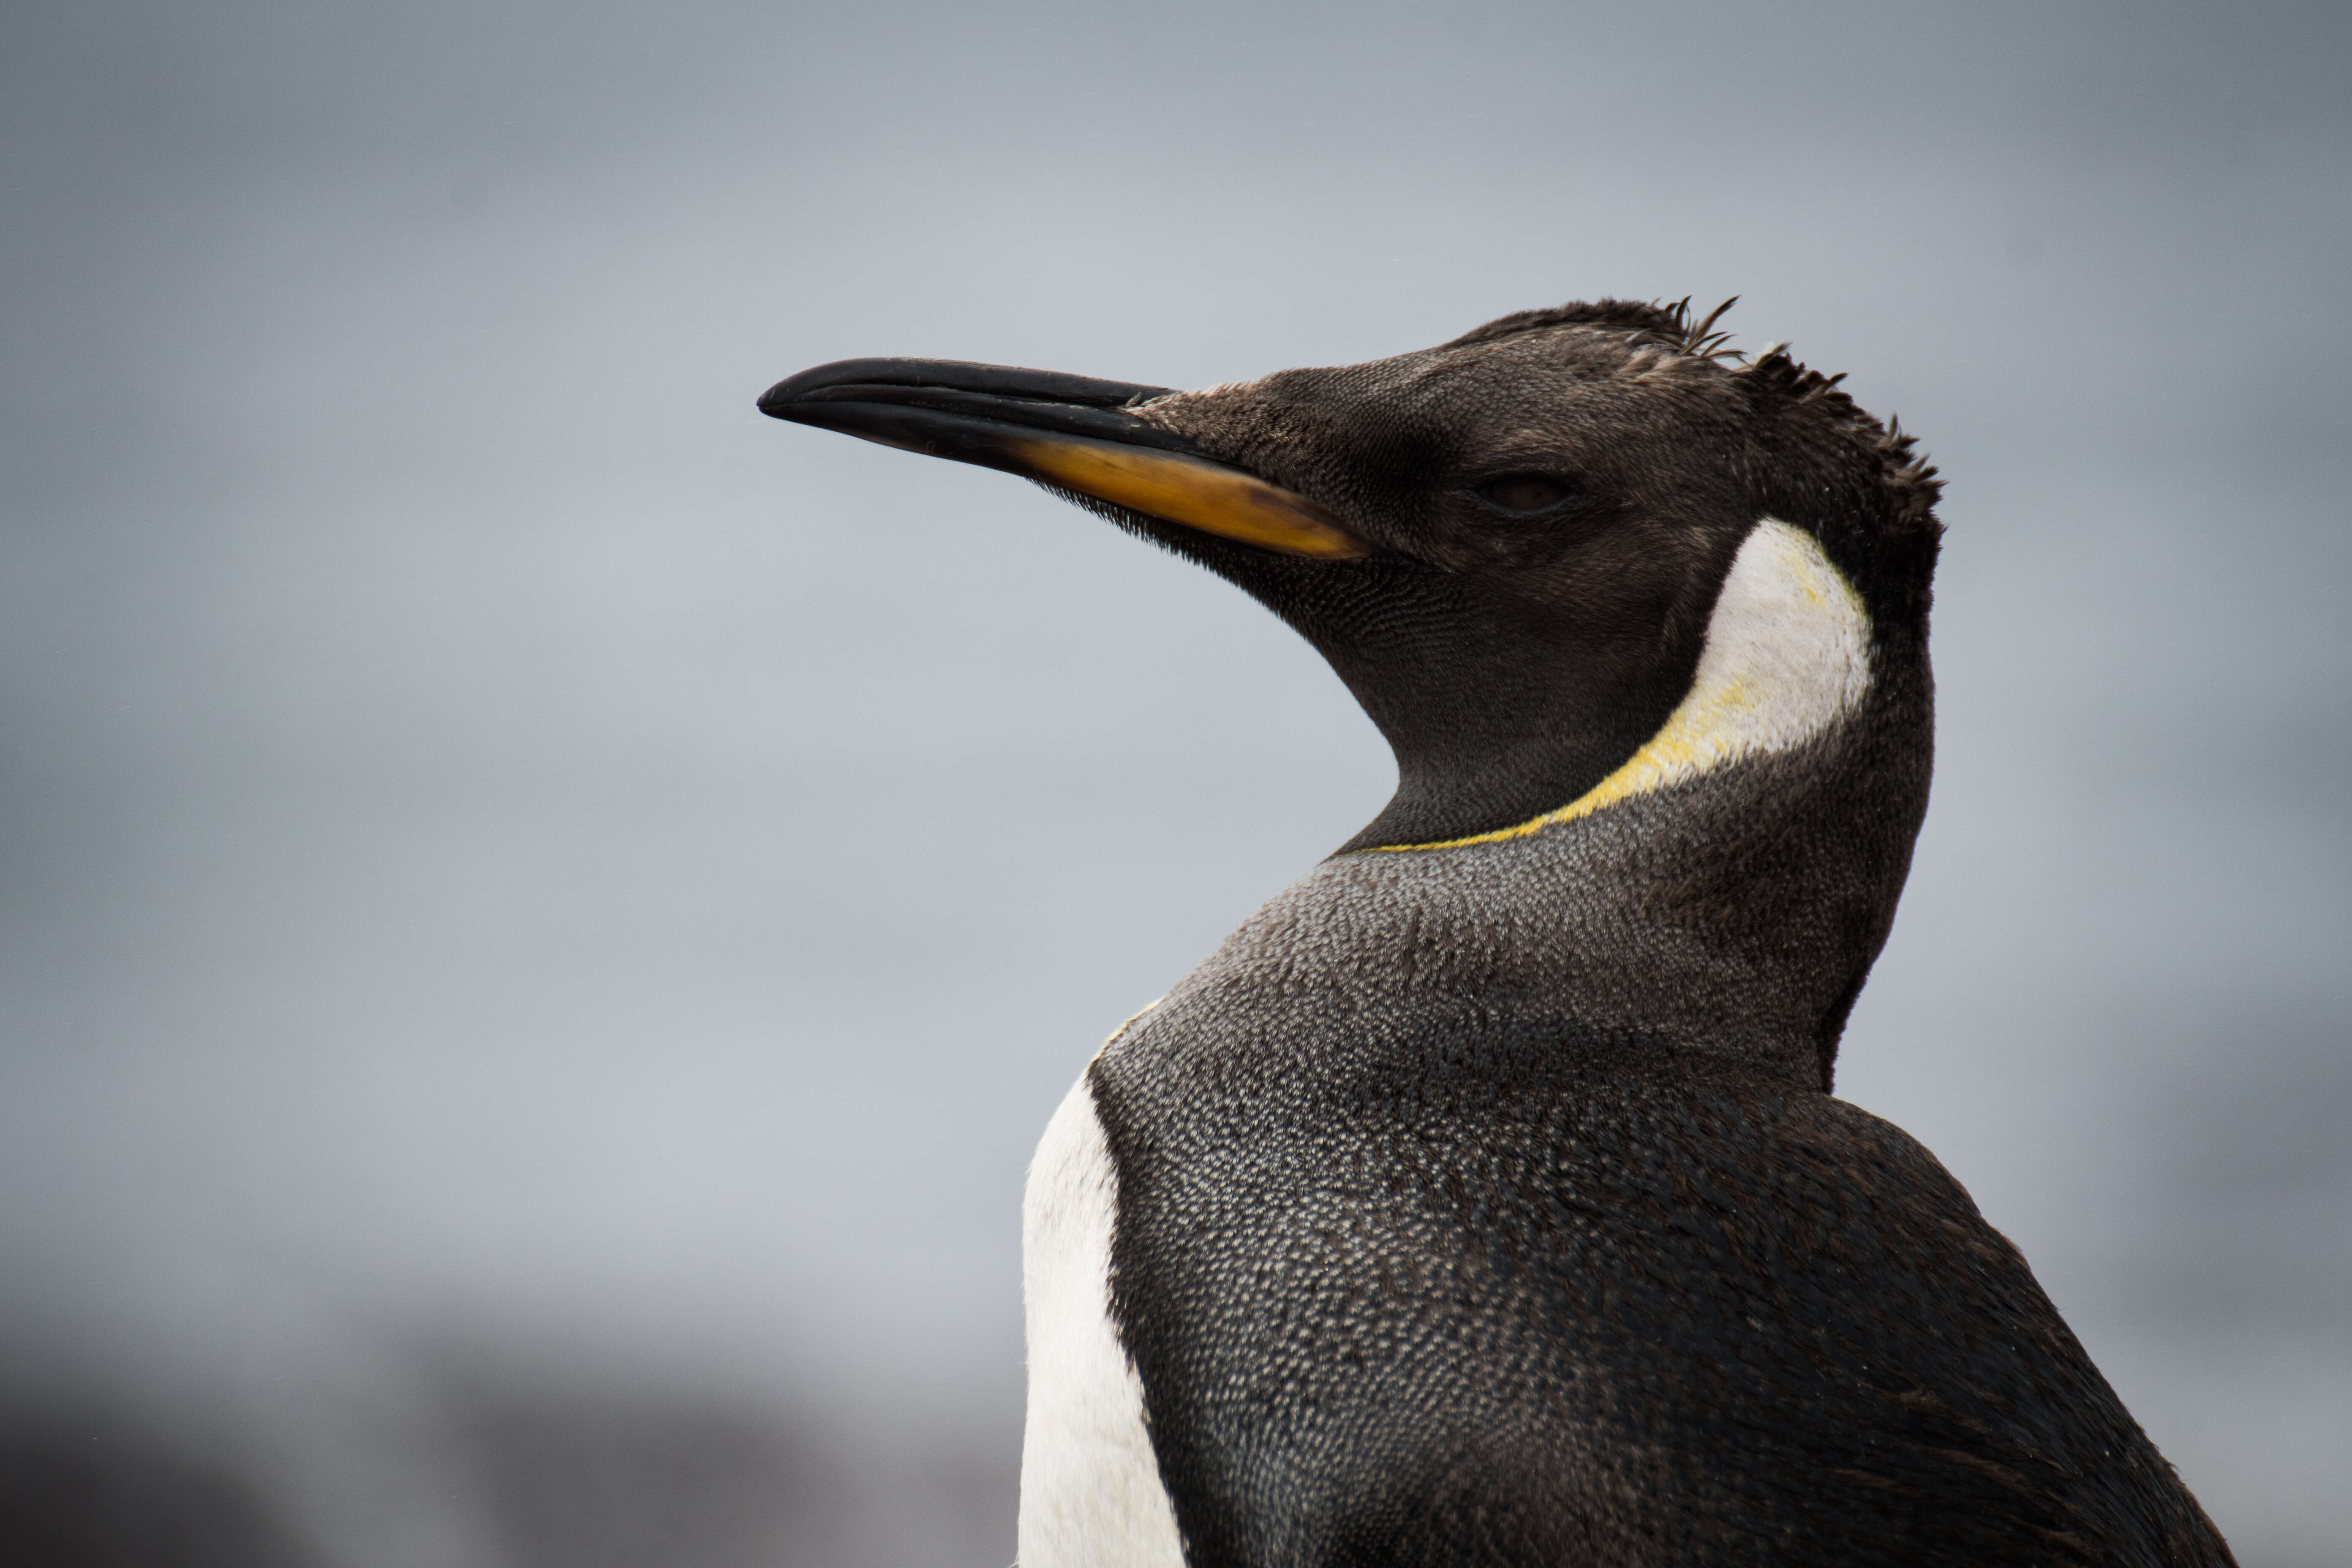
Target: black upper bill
[(950, 408)]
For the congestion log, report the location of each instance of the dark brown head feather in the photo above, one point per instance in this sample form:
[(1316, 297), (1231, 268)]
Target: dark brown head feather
[(1817, 457), (1647, 322)]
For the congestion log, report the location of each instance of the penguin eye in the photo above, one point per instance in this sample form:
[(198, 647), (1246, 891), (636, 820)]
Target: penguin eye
[(1527, 492)]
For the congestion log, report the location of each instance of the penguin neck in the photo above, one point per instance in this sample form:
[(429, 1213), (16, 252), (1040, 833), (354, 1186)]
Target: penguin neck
[(1724, 889), (1785, 661)]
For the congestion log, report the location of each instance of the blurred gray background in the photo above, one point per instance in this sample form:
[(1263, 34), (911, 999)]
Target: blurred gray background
[(543, 912)]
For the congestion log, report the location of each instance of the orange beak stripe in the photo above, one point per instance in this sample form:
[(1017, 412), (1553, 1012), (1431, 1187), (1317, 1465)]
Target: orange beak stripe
[(1207, 496)]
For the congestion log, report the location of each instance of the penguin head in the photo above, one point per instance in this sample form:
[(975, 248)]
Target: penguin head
[(1510, 547)]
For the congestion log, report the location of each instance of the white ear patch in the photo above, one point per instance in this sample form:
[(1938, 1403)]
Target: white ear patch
[(1786, 655)]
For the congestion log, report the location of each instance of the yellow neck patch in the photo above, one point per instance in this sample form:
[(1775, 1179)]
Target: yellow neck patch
[(1786, 656)]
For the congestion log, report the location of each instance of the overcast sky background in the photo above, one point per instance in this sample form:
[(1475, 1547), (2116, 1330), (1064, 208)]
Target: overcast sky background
[(516, 870)]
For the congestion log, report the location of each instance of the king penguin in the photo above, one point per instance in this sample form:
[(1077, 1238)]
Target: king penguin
[(1483, 1200)]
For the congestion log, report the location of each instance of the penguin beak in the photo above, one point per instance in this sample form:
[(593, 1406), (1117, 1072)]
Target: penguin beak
[(1073, 432)]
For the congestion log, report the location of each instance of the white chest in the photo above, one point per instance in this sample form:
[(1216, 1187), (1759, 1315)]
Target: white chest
[(1090, 1489)]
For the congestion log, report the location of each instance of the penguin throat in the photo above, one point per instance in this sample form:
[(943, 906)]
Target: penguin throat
[(1787, 656)]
